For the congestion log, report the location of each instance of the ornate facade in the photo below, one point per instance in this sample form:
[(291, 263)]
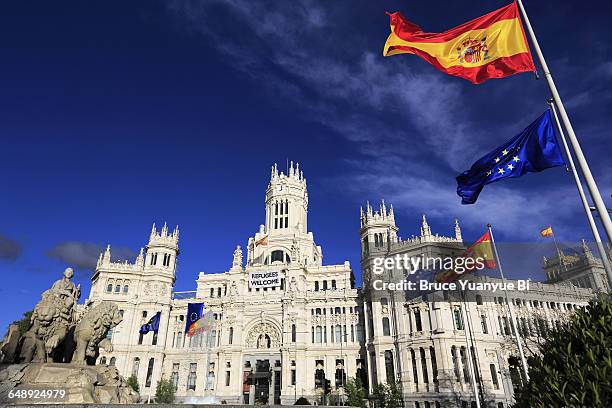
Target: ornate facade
[(275, 344)]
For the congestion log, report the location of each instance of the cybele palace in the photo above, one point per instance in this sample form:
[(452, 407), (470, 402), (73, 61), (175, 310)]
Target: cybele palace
[(276, 343)]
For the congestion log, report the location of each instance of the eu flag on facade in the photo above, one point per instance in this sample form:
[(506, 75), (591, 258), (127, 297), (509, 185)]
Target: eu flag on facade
[(194, 313), (151, 325), (533, 150)]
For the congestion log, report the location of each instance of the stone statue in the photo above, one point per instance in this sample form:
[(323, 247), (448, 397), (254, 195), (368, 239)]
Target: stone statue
[(57, 331), (90, 333), (237, 262), (51, 320)]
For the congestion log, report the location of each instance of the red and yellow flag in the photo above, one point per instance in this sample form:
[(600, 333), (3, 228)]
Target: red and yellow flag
[(547, 232), (480, 250), (262, 241), (491, 46)]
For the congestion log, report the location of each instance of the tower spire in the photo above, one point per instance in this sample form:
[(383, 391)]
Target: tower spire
[(457, 231), (425, 229)]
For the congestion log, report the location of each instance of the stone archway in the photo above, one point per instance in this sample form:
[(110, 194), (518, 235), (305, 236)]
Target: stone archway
[(263, 335)]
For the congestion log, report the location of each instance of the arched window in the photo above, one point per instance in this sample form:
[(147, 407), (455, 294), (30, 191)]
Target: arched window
[(424, 365), (316, 285), (338, 333), (109, 287), (386, 326), (135, 367), (112, 361), (415, 374), (324, 285), (337, 310), (389, 368), (125, 289), (333, 283), (264, 341), (384, 302), (293, 333), (213, 338), (318, 334), (479, 299), (494, 376), (103, 360), (277, 256), (318, 311), (149, 372), (231, 335), (117, 288)]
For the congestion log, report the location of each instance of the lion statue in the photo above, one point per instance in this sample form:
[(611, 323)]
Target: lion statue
[(90, 333)]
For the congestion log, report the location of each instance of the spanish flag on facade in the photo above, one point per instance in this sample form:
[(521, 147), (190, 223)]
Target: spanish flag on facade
[(262, 241), (547, 232), (480, 250), (491, 46)]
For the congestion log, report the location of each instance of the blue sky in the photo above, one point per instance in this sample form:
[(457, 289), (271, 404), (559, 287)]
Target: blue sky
[(115, 115)]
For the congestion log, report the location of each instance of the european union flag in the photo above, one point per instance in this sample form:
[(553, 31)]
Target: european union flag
[(533, 150), (151, 325), (194, 313)]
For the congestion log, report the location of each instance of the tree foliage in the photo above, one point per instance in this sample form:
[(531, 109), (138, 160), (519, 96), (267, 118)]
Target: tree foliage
[(132, 381), (575, 367), (386, 395), (302, 401), (356, 393), (164, 393), (24, 323)]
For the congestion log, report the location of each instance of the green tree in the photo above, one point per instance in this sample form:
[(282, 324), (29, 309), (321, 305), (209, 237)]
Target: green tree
[(302, 401), (575, 367), (355, 392), (386, 395), (24, 323), (132, 381), (164, 393)]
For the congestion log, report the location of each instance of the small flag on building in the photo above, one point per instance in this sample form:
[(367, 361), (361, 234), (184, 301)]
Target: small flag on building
[(480, 252), (547, 232), (194, 313), (262, 242), (151, 325), (535, 149)]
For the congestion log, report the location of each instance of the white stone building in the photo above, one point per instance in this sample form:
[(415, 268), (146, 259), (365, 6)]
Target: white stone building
[(277, 344), (267, 344)]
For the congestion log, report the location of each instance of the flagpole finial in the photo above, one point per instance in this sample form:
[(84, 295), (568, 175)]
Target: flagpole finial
[(488, 225)]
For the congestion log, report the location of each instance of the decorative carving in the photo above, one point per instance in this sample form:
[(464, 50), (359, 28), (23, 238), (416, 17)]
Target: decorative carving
[(263, 335), (237, 262)]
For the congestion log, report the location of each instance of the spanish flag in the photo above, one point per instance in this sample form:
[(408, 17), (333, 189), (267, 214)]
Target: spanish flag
[(547, 232), (481, 251), (491, 46), (262, 241)]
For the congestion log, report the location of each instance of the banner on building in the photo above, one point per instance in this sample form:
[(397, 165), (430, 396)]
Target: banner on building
[(270, 279)]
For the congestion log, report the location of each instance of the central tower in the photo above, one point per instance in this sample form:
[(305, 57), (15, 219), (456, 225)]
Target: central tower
[(284, 238), (286, 202)]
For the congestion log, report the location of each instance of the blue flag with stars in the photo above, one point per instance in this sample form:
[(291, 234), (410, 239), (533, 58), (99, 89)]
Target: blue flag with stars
[(151, 325), (533, 150)]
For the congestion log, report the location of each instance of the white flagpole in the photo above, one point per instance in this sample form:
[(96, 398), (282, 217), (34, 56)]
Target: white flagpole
[(582, 163), (469, 341), (585, 204), (510, 307)]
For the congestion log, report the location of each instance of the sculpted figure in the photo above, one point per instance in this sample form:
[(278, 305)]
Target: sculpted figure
[(237, 261), (51, 320), (90, 333)]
